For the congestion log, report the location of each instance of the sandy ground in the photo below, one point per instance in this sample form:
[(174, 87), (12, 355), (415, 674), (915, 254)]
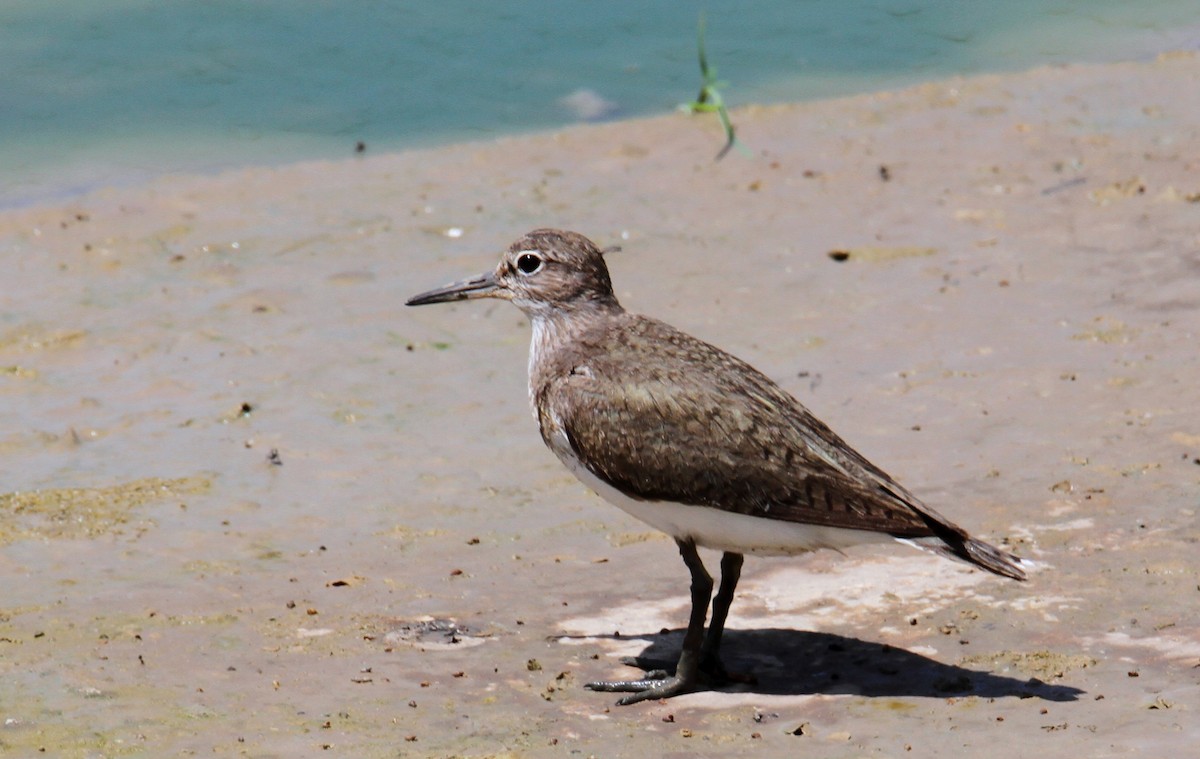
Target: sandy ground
[(258, 508)]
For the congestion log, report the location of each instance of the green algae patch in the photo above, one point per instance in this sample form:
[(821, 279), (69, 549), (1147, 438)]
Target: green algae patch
[(1106, 330), (1045, 665), (103, 723), (72, 513), (16, 371), (36, 339)]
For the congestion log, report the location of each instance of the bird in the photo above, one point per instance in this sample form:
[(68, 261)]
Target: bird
[(694, 442)]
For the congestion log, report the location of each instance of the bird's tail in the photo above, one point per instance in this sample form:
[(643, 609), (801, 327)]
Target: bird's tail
[(966, 548)]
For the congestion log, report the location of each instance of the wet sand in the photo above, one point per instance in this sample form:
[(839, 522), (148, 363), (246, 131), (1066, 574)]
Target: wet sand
[(256, 507)]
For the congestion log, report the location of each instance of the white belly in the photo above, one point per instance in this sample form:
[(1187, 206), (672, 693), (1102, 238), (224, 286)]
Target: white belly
[(717, 529)]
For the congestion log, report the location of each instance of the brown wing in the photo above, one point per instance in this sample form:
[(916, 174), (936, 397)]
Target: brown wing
[(707, 429)]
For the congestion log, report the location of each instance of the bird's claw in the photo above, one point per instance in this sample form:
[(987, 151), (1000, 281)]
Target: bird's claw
[(646, 689)]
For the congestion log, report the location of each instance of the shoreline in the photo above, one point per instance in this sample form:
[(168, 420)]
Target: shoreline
[(71, 188)]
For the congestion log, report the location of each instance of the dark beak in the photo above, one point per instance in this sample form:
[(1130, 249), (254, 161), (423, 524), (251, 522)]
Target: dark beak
[(483, 286)]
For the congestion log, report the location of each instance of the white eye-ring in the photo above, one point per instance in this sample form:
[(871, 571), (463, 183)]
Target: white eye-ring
[(528, 262)]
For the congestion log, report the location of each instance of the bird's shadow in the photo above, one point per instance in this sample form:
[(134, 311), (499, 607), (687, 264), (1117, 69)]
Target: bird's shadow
[(794, 662)]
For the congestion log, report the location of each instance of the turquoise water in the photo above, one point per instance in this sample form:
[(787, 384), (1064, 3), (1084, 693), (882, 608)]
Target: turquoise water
[(96, 92)]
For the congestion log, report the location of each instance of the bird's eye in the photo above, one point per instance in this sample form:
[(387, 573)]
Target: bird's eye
[(529, 263)]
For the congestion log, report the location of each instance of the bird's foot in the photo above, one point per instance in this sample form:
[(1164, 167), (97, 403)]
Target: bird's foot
[(657, 684), (712, 670)]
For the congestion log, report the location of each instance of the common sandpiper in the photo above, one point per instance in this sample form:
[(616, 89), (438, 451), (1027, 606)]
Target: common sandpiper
[(692, 441)]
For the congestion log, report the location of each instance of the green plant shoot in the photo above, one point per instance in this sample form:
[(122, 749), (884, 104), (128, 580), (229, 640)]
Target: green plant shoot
[(709, 100)]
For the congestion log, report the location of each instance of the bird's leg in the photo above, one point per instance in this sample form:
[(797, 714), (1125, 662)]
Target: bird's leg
[(710, 652), (687, 675)]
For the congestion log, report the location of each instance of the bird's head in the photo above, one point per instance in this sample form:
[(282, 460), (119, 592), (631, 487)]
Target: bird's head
[(545, 269)]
